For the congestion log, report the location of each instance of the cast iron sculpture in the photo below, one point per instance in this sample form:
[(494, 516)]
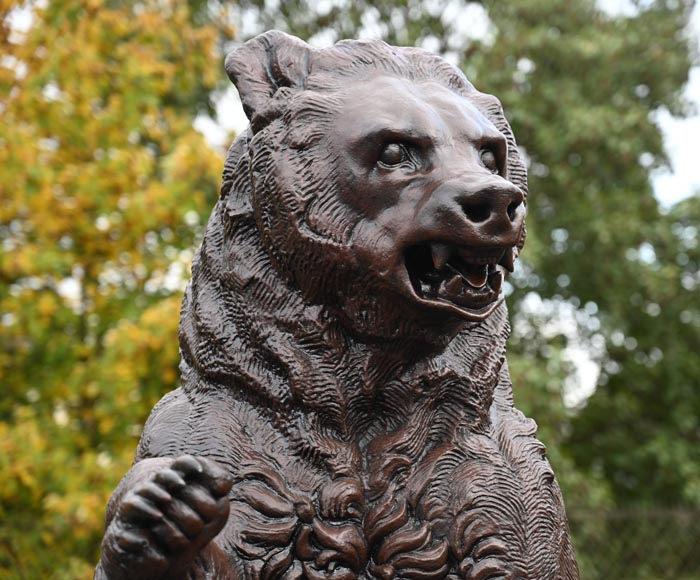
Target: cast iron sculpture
[(346, 409)]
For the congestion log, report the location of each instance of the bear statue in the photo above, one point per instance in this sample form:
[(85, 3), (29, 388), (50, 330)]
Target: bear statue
[(346, 409)]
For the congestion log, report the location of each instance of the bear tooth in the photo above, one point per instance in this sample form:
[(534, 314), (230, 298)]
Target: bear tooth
[(441, 253), (508, 260), (496, 282), (452, 287)]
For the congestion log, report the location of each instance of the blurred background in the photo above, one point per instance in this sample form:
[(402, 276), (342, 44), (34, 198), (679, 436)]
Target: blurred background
[(114, 118)]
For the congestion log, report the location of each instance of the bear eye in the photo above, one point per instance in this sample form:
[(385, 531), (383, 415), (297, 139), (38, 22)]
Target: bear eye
[(393, 154), (488, 158)]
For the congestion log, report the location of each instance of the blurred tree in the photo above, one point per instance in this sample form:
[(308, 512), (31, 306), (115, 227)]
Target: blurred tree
[(581, 88), (104, 185), (641, 428)]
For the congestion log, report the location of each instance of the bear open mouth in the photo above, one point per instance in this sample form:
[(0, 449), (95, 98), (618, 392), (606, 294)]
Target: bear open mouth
[(469, 278)]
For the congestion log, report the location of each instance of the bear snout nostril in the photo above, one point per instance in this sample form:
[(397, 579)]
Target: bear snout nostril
[(477, 212), (496, 207), (512, 210)]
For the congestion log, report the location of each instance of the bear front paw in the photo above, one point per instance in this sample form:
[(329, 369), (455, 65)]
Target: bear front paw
[(165, 519)]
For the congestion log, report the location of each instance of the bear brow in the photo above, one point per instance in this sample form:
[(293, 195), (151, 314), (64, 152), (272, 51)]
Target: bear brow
[(496, 142), (396, 134)]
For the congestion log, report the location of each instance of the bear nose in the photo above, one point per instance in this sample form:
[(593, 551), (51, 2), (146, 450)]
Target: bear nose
[(494, 209), (496, 203)]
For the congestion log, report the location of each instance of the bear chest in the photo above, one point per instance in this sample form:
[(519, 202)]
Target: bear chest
[(450, 519)]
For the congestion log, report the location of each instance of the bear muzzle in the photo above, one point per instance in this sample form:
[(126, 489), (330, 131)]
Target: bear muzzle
[(488, 212), (468, 231)]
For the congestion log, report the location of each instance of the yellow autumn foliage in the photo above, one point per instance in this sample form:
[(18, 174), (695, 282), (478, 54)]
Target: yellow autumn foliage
[(99, 165)]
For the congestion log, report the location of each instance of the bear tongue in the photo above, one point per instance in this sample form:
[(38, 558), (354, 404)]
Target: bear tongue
[(477, 275), (473, 275), (508, 260)]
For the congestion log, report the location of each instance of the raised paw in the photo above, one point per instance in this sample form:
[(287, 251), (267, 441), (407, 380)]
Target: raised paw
[(166, 517)]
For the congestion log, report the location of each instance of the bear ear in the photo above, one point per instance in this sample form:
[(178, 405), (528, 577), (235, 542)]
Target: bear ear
[(265, 64)]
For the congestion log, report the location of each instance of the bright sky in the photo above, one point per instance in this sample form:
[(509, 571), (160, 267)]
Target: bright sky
[(680, 137)]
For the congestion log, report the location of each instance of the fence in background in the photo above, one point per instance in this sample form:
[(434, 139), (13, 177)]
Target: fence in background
[(637, 544)]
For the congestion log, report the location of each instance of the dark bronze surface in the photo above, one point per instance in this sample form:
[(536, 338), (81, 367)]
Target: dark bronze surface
[(346, 409)]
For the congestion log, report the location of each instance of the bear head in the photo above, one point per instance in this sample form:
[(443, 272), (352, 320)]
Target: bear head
[(382, 184)]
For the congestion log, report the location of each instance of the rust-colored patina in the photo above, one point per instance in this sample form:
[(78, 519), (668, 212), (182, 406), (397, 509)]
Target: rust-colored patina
[(345, 409)]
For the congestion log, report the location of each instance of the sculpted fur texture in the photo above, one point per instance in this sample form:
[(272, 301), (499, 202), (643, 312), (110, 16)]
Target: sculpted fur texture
[(345, 409)]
